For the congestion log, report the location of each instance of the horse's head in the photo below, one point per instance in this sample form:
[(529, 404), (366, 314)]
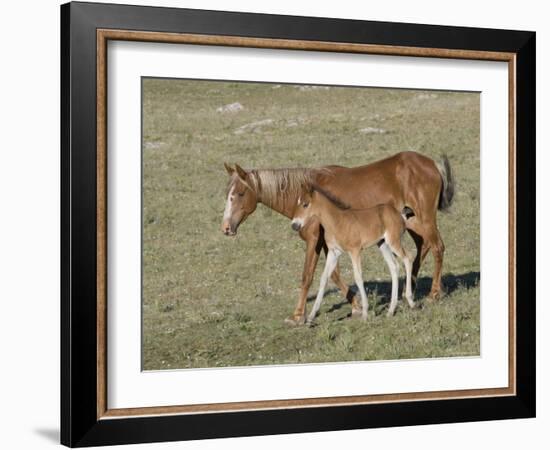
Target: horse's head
[(241, 199), (304, 208)]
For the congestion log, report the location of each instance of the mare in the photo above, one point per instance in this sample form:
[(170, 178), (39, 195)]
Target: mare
[(404, 180)]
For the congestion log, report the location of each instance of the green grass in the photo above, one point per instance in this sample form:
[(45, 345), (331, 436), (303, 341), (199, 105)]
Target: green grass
[(211, 301)]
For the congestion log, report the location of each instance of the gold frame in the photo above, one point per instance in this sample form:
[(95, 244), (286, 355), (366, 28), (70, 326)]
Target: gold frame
[(103, 36)]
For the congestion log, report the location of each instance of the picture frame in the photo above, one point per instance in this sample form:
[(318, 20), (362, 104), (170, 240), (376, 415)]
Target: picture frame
[(86, 418)]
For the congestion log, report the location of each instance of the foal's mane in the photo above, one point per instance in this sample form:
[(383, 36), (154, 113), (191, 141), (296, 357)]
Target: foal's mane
[(331, 197)]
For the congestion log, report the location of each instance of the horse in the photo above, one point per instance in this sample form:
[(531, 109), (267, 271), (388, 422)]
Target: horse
[(406, 179), (352, 230)]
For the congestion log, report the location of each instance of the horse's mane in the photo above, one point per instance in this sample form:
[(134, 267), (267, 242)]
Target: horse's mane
[(276, 185), (331, 197)]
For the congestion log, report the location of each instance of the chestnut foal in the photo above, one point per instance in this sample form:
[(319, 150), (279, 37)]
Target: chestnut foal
[(351, 230)]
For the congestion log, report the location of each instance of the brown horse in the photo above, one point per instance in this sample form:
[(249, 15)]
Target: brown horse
[(352, 230), (406, 179)]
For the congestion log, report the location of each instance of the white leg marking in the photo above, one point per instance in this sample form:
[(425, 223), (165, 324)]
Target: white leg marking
[(356, 262), (394, 271), (408, 289), (332, 259)]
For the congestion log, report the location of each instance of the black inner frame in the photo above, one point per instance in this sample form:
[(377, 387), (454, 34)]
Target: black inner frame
[(79, 424)]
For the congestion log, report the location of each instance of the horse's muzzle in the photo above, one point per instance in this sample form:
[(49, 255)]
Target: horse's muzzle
[(228, 230), (296, 226)]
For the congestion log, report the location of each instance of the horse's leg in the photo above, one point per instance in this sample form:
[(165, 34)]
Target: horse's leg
[(356, 262), (314, 244), (438, 249), (394, 271), (346, 291), (416, 231), (332, 260)]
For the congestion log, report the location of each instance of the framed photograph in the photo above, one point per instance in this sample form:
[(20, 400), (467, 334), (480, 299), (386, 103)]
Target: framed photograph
[(278, 224)]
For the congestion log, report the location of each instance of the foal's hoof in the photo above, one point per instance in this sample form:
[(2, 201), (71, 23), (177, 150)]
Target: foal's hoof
[(295, 320), (364, 317), (390, 313), (356, 312)]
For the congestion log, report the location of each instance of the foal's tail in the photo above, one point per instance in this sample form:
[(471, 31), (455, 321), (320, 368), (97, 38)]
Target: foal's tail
[(447, 192)]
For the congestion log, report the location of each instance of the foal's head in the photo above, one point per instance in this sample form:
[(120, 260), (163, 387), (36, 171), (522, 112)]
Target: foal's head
[(241, 199), (313, 201), (304, 208)]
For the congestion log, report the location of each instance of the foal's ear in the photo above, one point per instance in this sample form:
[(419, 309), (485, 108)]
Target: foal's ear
[(229, 169), (305, 188), (241, 172)]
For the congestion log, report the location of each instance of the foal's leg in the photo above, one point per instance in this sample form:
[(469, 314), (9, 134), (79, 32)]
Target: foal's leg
[(394, 270), (344, 288), (356, 262), (397, 248), (332, 260), (348, 293), (408, 287)]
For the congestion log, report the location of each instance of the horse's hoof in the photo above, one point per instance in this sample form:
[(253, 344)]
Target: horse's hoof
[(390, 313), (364, 317), (356, 313), (436, 294), (295, 321)]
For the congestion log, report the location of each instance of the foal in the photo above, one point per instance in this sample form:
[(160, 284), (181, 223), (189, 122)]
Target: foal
[(351, 230)]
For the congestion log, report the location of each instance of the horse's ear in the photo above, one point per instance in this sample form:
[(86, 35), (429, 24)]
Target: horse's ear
[(229, 169), (241, 172)]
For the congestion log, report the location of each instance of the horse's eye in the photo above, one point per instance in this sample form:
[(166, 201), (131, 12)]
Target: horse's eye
[(241, 194), (306, 205)]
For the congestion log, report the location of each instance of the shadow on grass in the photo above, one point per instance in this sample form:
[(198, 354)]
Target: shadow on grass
[(451, 283)]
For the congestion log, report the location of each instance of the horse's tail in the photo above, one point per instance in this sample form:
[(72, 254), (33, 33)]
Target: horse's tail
[(447, 192)]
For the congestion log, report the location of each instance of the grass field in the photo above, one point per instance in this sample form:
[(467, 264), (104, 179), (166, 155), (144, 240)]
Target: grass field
[(210, 300)]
